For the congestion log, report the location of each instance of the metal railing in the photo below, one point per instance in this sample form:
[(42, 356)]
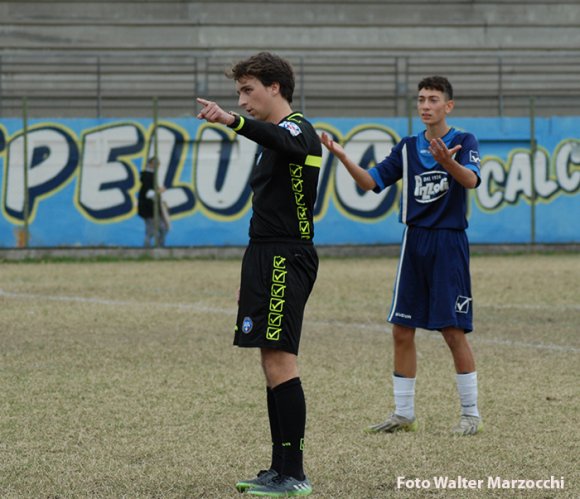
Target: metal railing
[(62, 84)]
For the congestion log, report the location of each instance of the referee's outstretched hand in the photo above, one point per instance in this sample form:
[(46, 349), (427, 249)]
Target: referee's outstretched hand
[(212, 113)]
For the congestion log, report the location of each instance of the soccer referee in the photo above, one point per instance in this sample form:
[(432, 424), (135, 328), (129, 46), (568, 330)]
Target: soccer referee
[(280, 263)]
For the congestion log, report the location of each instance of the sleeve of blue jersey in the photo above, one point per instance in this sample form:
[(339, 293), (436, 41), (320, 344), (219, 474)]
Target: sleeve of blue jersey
[(389, 170), (469, 154), (378, 180)]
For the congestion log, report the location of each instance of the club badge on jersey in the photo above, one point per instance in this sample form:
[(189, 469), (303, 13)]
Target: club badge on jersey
[(474, 157), (293, 128)]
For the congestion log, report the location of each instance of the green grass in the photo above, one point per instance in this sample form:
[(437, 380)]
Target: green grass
[(119, 379)]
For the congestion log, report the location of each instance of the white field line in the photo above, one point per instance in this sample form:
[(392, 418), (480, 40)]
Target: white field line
[(479, 340), (529, 306), (116, 303), (336, 324)]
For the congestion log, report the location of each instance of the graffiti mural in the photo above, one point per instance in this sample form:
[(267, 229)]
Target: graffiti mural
[(83, 178)]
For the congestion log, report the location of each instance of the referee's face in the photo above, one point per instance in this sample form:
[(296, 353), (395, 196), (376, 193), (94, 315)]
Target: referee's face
[(256, 99)]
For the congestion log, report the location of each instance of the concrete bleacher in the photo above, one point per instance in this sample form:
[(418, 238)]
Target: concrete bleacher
[(89, 58)]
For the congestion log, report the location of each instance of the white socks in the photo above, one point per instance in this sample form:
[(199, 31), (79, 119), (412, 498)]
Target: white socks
[(467, 388), (404, 391)]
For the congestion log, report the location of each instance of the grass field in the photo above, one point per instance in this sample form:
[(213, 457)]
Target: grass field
[(118, 379)]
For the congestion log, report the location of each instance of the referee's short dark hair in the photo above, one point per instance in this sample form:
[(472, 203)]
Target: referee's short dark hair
[(439, 83), (268, 68)]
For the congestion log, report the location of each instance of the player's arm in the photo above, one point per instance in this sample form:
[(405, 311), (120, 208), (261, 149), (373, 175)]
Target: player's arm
[(268, 135), (287, 137), (361, 176), (444, 156)]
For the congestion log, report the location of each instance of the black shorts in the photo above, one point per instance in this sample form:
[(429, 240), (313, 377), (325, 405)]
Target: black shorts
[(277, 278)]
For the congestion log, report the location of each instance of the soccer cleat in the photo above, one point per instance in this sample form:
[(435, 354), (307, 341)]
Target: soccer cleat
[(393, 424), (468, 425), (283, 486), (264, 477)]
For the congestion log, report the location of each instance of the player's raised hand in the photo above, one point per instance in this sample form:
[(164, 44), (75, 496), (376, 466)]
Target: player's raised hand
[(440, 152), (213, 113), (331, 145)]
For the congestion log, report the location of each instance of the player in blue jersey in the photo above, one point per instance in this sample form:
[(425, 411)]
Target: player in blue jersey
[(433, 286)]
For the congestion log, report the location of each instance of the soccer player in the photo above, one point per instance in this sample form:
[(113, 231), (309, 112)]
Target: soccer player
[(433, 286), (280, 263)]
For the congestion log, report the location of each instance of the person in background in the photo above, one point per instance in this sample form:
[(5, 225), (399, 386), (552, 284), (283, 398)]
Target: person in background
[(146, 205)]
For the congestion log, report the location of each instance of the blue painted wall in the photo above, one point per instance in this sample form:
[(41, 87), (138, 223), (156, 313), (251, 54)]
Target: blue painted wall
[(83, 181)]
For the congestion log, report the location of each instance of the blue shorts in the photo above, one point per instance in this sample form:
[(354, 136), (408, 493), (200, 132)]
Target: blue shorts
[(433, 286)]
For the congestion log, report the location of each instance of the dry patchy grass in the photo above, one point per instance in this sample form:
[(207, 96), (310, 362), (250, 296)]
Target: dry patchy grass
[(119, 380)]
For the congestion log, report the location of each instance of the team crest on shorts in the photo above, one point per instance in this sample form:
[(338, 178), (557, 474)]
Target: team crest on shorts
[(247, 325)]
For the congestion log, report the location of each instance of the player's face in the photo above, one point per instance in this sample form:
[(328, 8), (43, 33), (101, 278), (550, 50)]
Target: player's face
[(254, 98), (433, 106)]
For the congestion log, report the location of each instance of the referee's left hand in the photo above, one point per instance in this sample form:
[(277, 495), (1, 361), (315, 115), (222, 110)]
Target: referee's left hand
[(212, 113)]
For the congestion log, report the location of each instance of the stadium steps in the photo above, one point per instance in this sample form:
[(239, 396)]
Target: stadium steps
[(352, 58)]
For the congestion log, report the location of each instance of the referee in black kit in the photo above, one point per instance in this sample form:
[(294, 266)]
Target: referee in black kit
[(280, 263)]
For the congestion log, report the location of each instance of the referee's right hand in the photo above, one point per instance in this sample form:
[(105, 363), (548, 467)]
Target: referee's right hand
[(212, 113)]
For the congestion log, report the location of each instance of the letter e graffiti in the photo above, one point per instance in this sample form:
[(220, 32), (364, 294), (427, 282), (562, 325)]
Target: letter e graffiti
[(107, 178)]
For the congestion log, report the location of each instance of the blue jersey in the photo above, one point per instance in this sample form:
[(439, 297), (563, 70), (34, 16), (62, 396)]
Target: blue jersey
[(430, 196)]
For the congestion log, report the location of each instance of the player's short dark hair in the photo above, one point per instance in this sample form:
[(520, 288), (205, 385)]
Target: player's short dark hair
[(268, 68), (439, 83)]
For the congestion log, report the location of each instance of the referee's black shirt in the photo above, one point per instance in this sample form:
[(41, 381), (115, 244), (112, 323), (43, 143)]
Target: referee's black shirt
[(284, 178)]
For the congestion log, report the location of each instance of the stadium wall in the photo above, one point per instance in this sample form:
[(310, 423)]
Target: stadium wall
[(83, 178), (355, 58), (250, 25)]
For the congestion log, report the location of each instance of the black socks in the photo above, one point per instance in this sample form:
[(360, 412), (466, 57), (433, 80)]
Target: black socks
[(287, 413), (274, 432)]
